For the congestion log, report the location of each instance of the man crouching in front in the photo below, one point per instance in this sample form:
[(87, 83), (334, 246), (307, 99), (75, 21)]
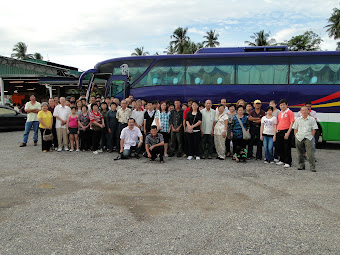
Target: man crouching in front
[(154, 145), (129, 140)]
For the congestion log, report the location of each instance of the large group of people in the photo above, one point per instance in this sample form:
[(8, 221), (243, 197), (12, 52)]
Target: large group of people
[(166, 129)]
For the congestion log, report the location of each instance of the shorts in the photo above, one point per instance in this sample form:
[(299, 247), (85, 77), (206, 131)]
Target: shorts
[(73, 131), (166, 136)]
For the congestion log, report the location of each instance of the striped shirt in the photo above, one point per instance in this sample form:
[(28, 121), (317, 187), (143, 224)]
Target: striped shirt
[(98, 117)]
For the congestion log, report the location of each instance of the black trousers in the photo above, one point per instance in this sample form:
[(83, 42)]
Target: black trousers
[(227, 145), (45, 145), (120, 128), (84, 138), (284, 146), (113, 138), (207, 140), (96, 135), (238, 145), (194, 139), (176, 141), (255, 140), (157, 150)]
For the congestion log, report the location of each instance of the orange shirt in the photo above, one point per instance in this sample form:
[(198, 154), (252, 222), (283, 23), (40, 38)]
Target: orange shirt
[(285, 119)]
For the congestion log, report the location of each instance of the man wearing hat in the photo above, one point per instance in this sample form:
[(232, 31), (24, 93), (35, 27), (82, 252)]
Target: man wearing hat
[(255, 126)]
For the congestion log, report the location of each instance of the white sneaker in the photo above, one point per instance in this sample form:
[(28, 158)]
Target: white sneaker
[(77, 150), (100, 150), (280, 163), (56, 148), (272, 162), (266, 162), (198, 158), (95, 152), (60, 149), (276, 160), (286, 166), (70, 150), (65, 149), (189, 158)]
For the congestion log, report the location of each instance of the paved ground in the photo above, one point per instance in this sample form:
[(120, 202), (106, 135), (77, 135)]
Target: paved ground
[(81, 203)]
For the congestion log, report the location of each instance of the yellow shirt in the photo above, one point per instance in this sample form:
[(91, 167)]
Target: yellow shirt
[(46, 117)]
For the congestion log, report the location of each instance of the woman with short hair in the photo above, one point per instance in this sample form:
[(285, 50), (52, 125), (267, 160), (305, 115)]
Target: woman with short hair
[(193, 130), (45, 124)]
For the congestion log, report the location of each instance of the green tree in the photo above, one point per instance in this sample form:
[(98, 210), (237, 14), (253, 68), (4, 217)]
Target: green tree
[(261, 39), (170, 50), (338, 46), (180, 39), (309, 41), (38, 56), (333, 27), (211, 39), (192, 47), (20, 51), (139, 52)]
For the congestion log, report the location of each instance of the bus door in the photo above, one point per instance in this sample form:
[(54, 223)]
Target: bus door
[(116, 86)]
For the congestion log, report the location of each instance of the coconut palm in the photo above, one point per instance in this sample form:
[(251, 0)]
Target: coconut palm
[(192, 47), (334, 24), (180, 39), (170, 50), (211, 39), (140, 52), (261, 39), (20, 51), (38, 56)]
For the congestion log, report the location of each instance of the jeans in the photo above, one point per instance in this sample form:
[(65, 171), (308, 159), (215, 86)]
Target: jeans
[(28, 127), (127, 153), (268, 147), (207, 139), (307, 145)]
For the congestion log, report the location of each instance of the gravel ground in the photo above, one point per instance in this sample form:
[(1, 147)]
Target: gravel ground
[(81, 203)]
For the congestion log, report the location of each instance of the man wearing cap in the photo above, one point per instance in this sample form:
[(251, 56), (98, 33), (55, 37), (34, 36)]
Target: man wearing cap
[(255, 126)]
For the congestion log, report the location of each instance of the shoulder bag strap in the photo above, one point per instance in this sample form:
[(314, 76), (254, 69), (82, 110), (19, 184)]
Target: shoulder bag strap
[(240, 123)]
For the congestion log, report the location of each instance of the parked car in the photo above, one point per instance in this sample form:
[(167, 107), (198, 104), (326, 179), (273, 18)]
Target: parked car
[(10, 119)]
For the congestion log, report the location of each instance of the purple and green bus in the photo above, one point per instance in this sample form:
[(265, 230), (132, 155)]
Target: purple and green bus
[(249, 73)]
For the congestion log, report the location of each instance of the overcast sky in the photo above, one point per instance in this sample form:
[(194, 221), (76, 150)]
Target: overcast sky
[(82, 33)]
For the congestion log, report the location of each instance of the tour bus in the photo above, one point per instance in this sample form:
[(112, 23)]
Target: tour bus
[(248, 73)]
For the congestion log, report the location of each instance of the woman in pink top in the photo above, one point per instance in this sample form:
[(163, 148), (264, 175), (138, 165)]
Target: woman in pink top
[(72, 128)]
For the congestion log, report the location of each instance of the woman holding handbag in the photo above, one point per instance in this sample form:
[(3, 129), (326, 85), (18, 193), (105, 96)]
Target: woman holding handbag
[(193, 130), (45, 124), (97, 124), (240, 134), (220, 131)]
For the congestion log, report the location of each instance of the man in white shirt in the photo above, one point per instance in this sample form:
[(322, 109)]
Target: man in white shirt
[(207, 131), (31, 108), (304, 131), (138, 115), (129, 140), (61, 112)]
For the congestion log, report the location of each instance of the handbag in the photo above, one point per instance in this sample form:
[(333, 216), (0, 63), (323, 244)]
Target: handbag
[(96, 127), (246, 135), (47, 137)]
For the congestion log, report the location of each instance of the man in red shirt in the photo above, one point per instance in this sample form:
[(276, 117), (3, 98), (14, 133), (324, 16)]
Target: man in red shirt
[(284, 134)]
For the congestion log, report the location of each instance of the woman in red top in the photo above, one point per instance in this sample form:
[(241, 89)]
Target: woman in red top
[(97, 124)]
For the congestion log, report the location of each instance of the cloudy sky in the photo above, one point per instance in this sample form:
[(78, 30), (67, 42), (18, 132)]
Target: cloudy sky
[(82, 33)]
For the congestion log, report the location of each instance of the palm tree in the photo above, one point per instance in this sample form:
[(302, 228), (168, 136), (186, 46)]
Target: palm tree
[(170, 50), (20, 50), (38, 56), (261, 39), (192, 47), (140, 52), (334, 24), (180, 39), (212, 38)]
